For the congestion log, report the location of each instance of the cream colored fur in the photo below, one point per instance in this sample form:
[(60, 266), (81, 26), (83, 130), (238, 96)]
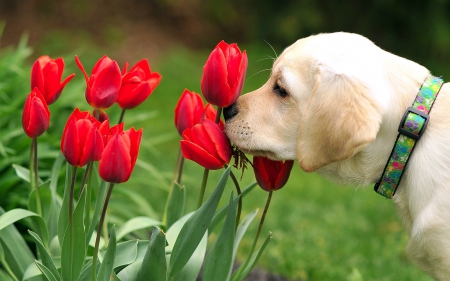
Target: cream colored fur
[(345, 98)]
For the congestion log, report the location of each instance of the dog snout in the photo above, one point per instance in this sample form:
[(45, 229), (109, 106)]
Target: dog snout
[(230, 111)]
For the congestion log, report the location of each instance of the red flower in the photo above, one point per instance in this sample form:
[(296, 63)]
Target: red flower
[(81, 141), (104, 84), (188, 111), (119, 156), (35, 115), (271, 175), (137, 85), (46, 75), (206, 144), (223, 74)]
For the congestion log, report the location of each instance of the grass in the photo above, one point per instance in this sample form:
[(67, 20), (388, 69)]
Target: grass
[(321, 231)]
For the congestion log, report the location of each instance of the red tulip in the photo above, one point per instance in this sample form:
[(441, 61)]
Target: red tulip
[(35, 115), (206, 144), (223, 74), (137, 85), (46, 75), (271, 175), (119, 156), (81, 141), (188, 111), (104, 84)]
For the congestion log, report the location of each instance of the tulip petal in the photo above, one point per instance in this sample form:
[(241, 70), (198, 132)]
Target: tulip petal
[(37, 77), (70, 142), (219, 139), (131, 96), (214, 83), (188, 111), (135, 141), (115, 165), (81, 67), (283, 174), (106, 85), (197, 154), (261, 175)]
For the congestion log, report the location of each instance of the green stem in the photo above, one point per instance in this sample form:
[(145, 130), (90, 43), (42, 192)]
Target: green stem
[(122, 114), (87, 181), (239, 193), (71, 196), (85, 176), (261, 222), (96, 113), (219, 113), (203, 188), (34, 175), (99, 231)]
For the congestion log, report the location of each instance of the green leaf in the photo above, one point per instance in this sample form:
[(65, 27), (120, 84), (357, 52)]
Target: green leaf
[(218, 263), (47, 272), (73, 251), (130, 272), (194, 229), (34, 273), (247, 266), (175, 204), (98, 209), (137, 200), (24, 173), (46, 201), (126, 253), (14, 215), (63, 220), (220, 214), (108, 260), (55, 172), (135, 224), (46, 259), (15, 249), (154, 264), (242, 228)]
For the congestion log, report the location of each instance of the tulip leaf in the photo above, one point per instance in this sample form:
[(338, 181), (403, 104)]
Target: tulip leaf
[(47, 272), (15, 250), (192, 268), (220, 214), (24, 173), (63, 220), (130, 272), (175, 204), (135, 224), (126, 253), (242, 228), (154, 264), (218, 262), (14, 215), (108, 260), (247, 266), (98, 210), (193, 230), (45, 195), (73, 251), (46, 259)]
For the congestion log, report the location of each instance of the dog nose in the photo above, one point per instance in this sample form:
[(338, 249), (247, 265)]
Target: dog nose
[(230, 111)]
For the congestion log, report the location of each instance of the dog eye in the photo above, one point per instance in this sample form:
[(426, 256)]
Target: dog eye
[(280, 91)]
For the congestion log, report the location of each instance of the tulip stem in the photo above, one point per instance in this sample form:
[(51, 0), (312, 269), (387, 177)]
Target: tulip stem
[(122, 114), (239, 193), (71, 196), (34, 177), (218, 114), (203, 188), (261, 222), (176, 176), (99, 231), (87, 181)]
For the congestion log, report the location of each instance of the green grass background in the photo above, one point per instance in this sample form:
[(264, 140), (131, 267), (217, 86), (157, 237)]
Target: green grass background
[(320, 231)]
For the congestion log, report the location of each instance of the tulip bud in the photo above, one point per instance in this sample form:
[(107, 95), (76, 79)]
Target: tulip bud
[(120, 155), (46, 75), (137, 85), (206, 144), (223, 74), (271, 175), (81, 141), (104, 84), (188, 111), (35, 115)]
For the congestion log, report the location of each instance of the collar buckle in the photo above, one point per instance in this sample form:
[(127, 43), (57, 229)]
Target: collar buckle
[(405, 129)]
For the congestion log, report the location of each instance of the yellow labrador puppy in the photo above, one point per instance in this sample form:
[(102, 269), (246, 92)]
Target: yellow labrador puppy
[(334, 103)]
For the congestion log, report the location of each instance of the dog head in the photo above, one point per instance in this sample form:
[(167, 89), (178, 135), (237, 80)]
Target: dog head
[(322, 102)]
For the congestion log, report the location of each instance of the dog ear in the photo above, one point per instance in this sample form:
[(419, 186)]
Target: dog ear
[(341, 117)]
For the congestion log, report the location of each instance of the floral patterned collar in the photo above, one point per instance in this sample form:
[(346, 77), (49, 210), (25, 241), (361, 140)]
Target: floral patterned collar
[(411, 128)]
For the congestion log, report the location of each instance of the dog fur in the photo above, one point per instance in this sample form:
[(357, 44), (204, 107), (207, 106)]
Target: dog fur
[(334, 102)]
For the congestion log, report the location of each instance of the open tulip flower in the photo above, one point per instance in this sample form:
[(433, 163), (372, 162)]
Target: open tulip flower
[(137, 85), (81, 141), (189, 110), (223, 74), (206, 144), (104, 83), (46, 75), (271, 175), (120, 155), (36, 115)]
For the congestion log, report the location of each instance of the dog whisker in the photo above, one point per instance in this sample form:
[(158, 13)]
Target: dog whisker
[(259, 72), (276, 55)]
